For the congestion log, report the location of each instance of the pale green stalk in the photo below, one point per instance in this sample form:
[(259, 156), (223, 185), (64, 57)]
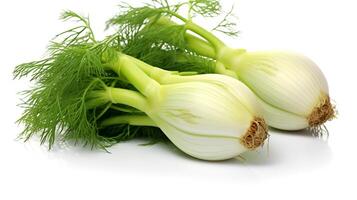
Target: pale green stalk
[(135, 120)]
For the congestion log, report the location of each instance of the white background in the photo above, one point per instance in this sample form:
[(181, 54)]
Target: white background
[(297, 166)]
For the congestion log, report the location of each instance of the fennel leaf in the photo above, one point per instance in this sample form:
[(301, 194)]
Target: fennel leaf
[(56, 107)]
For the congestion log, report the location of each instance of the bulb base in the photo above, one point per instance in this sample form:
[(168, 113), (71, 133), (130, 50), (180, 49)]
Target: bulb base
[(256, 134), (323, 112)]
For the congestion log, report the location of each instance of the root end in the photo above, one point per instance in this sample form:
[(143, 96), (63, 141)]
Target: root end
[(256, 134), (323, 112)]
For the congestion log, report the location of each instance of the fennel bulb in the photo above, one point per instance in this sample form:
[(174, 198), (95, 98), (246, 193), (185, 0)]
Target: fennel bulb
[(208, 121), (290, 87)]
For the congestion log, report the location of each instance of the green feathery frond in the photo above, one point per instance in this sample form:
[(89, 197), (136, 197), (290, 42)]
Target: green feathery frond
[(206, 8), (56, 106), (136, 18), (80, 33), (59, 106), (228, 24)]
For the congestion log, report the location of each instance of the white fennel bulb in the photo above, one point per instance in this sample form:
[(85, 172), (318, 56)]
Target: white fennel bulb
[(290, 87), (210, 119)]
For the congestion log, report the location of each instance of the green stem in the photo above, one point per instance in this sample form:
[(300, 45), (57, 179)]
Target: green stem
[(202, 47), (174, 78), (183, 19), (135, 120), (127, 66), (154, 72), (166, 77), (127, 110), (217, 50), (127, 97), (117, 95), (199, 46), (211, 38)]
